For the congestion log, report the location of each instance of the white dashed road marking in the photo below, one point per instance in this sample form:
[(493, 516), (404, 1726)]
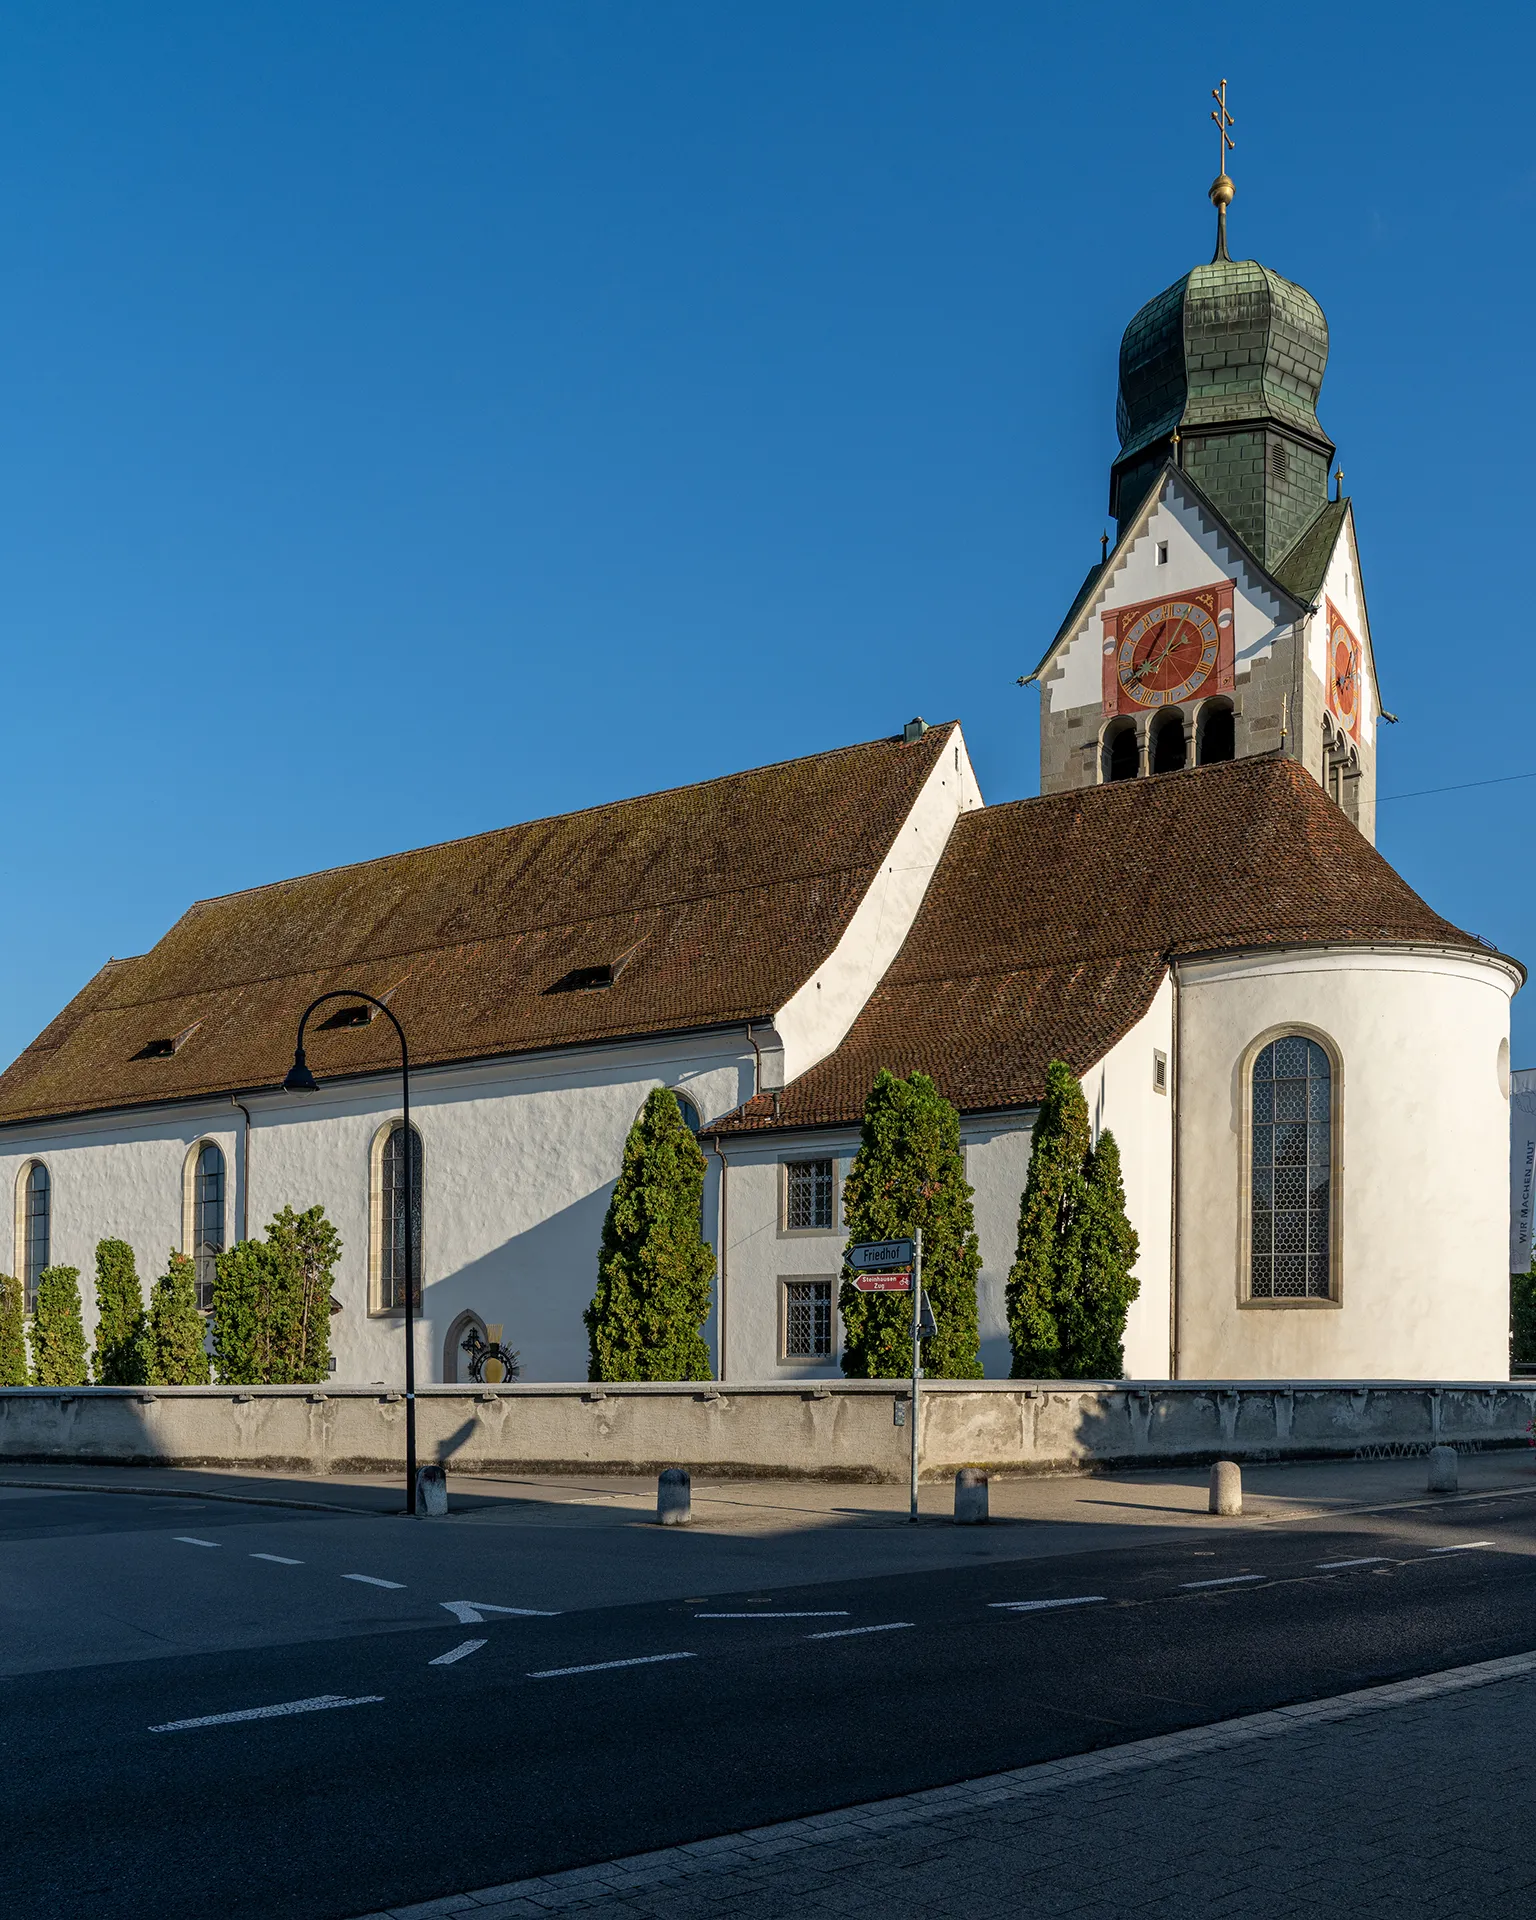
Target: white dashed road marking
[(1039, 1606), (602, 1666), (827, 1613), (371, 1580), (1332, 1566), (187, 1540), (844, 1633), (281, 1559), (1232, 1580), (470, 1613), (1465, 1546), (457, 1653), (317, 1705)]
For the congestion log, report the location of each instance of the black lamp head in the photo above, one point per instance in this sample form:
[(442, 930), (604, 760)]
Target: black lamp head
[(300, 1079)]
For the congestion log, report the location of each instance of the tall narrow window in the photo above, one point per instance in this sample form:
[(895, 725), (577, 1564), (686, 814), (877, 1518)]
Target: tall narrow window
[(808, 1195), (1169, 749), (207, 1219), (37, 1228), (1292, 1200), (1122, 754), (395, 1210)]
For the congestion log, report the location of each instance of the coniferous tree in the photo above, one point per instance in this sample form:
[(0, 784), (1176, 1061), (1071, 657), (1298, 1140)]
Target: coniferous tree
[(177, 1351), (1072, 1283), (119, 1358), (909, 1172), (58, 1332), (655, 1272), (1101, 1259), (1043, 1274), (306, 1248), (245, 1279), (13, 1334)]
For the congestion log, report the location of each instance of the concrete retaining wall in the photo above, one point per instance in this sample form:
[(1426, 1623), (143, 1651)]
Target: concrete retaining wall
[(840, 1431)]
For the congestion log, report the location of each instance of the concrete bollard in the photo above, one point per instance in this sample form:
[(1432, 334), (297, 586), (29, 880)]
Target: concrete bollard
[(674, 1497), (431, 1493), (971, 1497), (1442, 1470), (1226, 1487)]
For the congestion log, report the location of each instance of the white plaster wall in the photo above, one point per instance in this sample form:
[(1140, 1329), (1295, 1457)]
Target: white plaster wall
[(1425, 1195), (1197, 557), (1123, 1097), (519, 1160), (817, 1017)]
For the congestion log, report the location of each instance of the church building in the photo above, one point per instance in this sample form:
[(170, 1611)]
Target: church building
[(1306, 1067)]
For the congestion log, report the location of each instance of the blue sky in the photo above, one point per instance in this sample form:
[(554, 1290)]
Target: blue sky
[(422, 418)]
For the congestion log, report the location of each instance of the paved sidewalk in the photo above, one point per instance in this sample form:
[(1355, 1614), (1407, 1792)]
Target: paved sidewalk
[(1418, 1795)]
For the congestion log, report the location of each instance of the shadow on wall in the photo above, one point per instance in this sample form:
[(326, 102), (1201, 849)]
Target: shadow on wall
[(537, 1285)]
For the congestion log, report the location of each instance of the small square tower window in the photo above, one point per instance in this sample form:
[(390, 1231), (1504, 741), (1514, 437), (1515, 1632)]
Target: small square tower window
[(807, 1319), (808, 1196), (1162, 553)]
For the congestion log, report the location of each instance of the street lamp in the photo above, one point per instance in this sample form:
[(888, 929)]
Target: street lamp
[(301, 1080)]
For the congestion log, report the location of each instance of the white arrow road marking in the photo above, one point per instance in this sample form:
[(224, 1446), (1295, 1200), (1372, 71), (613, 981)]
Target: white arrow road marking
[(371, 1580), (1231, 1580), (280, 1559), (471, 1613), (602, 1666), (1465, 1546), (844, 1633), (187, 1540), (316, 1705), (1039, 1606), (458, 1652)]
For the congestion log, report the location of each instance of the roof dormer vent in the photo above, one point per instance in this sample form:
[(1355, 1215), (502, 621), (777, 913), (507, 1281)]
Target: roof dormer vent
[(163, 1049), (913, 730)]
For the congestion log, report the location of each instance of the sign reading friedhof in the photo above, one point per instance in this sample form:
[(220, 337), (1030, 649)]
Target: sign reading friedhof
[(871, 1256)]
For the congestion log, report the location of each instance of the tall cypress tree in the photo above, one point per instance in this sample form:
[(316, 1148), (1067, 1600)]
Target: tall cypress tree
[(655, 1272), (121, 1330), (1103, 1253), (1043, 1274), (245, 1277), (1072, 1283), (58, 1332), (13, 1334), (177, 1350), (305, 1247), (909, 1172)]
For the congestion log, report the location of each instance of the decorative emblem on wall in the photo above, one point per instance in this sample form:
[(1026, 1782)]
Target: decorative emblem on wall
[(1344, 679)]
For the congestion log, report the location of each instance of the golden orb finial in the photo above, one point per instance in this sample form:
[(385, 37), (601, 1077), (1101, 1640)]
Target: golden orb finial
[(1222, 190)]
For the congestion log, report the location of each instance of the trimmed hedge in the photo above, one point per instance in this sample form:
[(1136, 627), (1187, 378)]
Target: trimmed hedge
[(176, 1341), (58, 1332), (13, 1334), (119, 1358)]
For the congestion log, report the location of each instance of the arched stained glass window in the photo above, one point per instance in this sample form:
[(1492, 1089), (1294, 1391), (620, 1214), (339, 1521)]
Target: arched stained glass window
[(207, 1219), (393, 1214), (1292, 1198), (37, 1228)]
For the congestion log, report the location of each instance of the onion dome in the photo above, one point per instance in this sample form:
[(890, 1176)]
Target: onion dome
[(1221, 372)]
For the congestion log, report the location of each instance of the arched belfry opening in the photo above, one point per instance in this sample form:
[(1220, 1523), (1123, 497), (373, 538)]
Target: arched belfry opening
[(1215, 734), (1170, 746), (1122, 752)]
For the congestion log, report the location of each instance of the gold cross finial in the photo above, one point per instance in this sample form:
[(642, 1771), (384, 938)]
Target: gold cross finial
[(1222, 188)]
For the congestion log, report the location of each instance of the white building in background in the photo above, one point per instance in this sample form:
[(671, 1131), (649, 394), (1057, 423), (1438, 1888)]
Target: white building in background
[(1306, 1068)]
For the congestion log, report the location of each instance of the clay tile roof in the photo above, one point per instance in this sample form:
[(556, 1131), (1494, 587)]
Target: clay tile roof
[(1047, 928), (713, 904)]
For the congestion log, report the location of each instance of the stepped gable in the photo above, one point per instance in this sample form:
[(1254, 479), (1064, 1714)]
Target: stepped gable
[(1049, 925), (712, 903)]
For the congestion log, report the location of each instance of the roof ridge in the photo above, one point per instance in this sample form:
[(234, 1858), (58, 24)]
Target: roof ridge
[(575, 813)]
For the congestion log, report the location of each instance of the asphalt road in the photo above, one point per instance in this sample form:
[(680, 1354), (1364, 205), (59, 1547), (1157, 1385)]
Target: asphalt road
[(559, 1737)]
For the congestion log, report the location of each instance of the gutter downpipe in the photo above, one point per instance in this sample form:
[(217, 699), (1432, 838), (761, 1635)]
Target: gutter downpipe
[(1173, 1198), (245, 1171)]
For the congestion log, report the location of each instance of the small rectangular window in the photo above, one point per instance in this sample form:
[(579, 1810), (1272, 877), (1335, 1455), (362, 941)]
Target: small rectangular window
[(1159, 1071), (1162, 553), (808, 1195), (807, 1319)]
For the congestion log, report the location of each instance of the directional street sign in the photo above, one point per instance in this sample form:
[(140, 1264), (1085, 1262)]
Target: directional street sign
[(873, 1256), (883, 1282)]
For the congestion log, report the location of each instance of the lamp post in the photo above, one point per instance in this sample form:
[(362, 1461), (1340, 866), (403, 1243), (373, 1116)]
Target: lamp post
[(301, 1080)]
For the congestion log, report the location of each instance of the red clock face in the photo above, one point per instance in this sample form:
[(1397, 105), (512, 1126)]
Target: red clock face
[(1167, 653), (1343, 673)]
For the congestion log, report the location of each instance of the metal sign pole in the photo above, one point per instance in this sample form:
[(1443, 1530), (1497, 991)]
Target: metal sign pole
[(917, 1357)]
